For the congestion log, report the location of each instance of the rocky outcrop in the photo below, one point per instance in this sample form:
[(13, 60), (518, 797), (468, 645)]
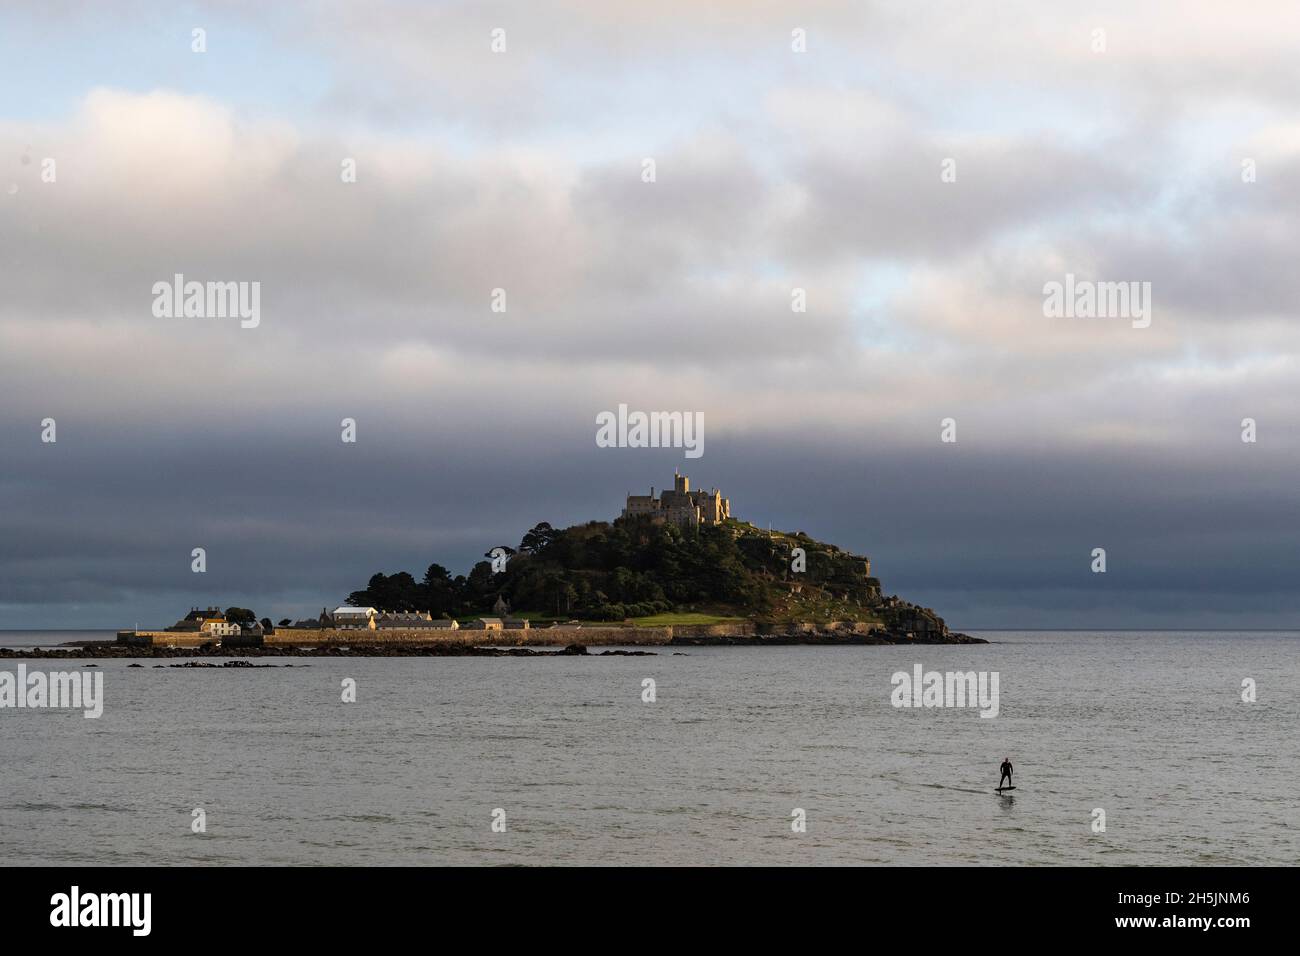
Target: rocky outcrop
[(429, 649), (826, 636), (908, 622), (900, 623)]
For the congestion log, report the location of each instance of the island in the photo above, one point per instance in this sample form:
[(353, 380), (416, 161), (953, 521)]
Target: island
[(674, 568)]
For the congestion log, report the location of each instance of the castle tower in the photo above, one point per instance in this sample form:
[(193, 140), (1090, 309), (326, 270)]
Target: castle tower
[(680, 506)]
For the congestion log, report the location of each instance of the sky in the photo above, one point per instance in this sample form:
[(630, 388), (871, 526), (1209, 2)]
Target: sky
[(920, 170)]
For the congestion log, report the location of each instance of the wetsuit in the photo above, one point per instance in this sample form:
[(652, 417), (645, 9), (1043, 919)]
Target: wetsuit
[(1006, 773)]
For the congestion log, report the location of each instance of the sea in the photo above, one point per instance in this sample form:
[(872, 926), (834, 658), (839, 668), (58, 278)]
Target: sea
[(1130, 748)]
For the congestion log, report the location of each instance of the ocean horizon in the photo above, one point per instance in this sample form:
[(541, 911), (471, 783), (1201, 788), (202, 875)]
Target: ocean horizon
[(1148, 727)]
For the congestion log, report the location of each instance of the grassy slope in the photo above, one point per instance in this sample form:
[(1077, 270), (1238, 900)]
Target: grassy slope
[(685, 617)]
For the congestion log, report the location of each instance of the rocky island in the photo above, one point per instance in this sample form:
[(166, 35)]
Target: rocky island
[(675, 568)]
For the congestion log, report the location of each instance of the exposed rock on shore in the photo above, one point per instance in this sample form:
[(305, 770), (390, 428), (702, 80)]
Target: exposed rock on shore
[(130, 652), (825, 638)]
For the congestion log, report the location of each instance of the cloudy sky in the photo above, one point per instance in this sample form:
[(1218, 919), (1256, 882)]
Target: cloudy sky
[(1115, 141)]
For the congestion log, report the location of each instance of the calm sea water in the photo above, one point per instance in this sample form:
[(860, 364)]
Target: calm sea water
[(1148, 726)]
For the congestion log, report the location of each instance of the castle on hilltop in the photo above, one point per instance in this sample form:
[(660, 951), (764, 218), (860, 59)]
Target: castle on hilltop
[(681, 506)]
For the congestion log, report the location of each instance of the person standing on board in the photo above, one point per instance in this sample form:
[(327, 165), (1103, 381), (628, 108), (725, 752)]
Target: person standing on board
[(1006, 772)]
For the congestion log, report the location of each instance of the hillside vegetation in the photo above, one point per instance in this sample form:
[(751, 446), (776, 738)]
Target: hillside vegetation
[(653, 573)]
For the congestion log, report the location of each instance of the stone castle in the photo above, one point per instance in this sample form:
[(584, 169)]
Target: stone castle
[(681, 506)]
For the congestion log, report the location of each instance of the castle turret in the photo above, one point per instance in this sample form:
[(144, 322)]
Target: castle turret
[(681, 506)]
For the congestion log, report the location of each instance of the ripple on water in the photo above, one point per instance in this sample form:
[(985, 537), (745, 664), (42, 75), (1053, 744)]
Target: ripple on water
[(708, 774)]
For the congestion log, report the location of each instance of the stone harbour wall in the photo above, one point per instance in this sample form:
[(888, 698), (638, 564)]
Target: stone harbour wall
[(743, 633), (530, 637)]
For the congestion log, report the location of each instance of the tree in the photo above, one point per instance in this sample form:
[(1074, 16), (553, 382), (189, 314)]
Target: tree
[(630, 567), (480, 587), (402, 594), (372, 594), (569, 595), (439, 590), (538, 539), (240, 615)]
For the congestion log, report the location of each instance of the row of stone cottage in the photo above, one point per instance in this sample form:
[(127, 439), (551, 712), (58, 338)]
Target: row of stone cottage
[(368, 618), (212, 621)]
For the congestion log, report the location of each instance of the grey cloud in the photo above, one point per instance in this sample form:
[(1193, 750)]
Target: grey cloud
[(924, 301), (304, 521)]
